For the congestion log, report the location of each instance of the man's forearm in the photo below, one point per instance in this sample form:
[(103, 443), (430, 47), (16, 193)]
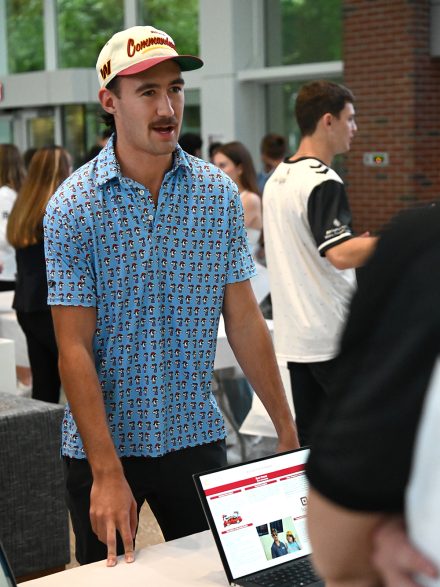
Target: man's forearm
[(112, 505), (83, 391)]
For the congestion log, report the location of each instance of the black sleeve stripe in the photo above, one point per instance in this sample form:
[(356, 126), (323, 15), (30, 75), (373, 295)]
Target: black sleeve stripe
[(333, 242)]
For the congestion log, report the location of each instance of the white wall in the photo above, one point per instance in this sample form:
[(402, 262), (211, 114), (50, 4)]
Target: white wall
[(231, 40)]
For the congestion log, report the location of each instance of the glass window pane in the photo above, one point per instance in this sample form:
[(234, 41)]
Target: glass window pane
[(41, 129), (191, 113), (6, 134), (84, 26), (179, 19), (82, 129), (25, 33), (303, 31), (94, 124), (73, 132)]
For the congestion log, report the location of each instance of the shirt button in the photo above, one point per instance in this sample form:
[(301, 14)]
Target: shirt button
[(150, 217), (141, 192)]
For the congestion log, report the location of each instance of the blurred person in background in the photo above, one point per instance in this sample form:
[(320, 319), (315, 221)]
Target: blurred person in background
[(311, 249), (27, 156), (191, 143), (12, 174), (212, 150), (48, 168), (273, 149), (236, 161), (100, 144)]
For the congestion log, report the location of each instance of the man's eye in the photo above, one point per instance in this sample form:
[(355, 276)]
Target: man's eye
[(176, 89)]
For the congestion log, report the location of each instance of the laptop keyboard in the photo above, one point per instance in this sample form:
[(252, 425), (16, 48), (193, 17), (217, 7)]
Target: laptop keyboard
[(299, 574)]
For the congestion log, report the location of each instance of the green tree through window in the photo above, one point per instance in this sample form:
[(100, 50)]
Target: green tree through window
[(25, 35), (84, 26), (180, 19), (303, 31)]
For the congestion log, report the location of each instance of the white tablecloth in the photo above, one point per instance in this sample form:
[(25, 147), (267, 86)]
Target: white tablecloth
[(189, 561)]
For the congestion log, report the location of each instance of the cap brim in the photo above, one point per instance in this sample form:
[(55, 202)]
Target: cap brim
[(185, 62)]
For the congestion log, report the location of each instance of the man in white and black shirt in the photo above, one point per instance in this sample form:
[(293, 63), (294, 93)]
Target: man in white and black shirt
[(310, 247)]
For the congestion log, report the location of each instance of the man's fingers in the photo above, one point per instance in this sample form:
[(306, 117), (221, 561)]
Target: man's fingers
[(415, 562), (133, 519), (398, 561), (127, 540), (128, 534), (115, 512), (111, 546)]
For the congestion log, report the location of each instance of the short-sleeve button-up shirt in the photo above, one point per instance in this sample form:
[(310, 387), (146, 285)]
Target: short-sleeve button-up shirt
[(156, 276)]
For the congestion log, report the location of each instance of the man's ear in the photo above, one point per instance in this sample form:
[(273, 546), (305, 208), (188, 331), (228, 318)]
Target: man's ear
[(327, 119), (107, 99)]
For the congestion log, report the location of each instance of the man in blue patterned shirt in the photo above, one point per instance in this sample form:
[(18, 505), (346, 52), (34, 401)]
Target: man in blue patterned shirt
[(145, 248)]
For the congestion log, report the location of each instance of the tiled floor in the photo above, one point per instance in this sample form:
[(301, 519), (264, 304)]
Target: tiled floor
[(149, 532)]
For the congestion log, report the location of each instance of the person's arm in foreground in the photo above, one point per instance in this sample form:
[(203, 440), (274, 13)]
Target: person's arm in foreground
[(112, 505), (342, 542), (353, 252), (251, 342), (395, 558)]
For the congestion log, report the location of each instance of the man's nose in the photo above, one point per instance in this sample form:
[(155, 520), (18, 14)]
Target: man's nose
[(165, 107)]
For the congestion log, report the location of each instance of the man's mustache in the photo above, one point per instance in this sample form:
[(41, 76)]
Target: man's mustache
[(169, 121)]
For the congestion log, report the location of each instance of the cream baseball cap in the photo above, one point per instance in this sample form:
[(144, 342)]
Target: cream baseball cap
[(137, 49)]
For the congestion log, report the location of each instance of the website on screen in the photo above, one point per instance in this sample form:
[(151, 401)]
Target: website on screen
[(259, 511)]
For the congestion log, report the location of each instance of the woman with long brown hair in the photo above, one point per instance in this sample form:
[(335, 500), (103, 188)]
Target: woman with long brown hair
[(235, 160), (49, 167), (11, 177)]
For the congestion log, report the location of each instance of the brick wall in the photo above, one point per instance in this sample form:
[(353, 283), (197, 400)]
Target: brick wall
[(397, 88)]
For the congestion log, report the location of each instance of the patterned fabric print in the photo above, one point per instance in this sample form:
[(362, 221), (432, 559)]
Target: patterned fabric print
[(156, 277)]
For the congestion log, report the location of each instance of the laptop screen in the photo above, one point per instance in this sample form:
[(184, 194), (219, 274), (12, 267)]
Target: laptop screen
[(257, 511)]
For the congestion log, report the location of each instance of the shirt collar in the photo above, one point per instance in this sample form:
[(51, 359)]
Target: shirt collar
[(107, 166)]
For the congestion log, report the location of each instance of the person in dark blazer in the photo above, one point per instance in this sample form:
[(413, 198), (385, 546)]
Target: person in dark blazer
[(49, 167)]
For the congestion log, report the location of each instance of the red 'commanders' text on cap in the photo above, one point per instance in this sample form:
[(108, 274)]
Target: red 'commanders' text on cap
[(137, 49)]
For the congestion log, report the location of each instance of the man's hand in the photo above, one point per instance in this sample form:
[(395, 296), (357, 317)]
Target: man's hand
[(113, 508), (395, 558)]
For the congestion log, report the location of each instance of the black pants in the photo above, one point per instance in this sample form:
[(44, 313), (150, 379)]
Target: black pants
[(310, 383), (43, 354), (166, 483)]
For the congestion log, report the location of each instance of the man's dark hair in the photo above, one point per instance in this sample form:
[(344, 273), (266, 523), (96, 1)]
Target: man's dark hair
[(109, 119), (316, 99), (273, 146), (190, 142)]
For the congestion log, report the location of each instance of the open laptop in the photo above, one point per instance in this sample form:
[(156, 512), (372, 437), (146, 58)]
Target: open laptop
[(257, 514), (6, 576)]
